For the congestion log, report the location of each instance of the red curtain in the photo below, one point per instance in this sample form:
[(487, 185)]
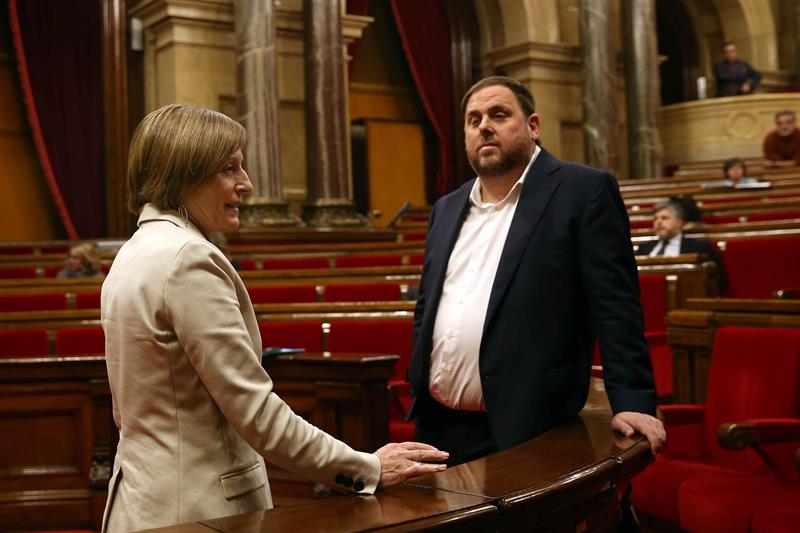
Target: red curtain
[(425, 35), (59, 55)]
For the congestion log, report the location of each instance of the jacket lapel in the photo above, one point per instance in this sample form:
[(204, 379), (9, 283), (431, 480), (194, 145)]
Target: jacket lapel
[(538, 188)]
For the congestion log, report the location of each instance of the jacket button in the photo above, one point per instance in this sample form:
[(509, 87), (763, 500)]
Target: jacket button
[(348, 482), (339, 479), (358, 486)]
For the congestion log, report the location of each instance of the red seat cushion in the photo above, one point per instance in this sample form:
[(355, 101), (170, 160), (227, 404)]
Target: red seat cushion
[(283, 294), (653, 293), (416, 259), (80, 341), (87, 300), (728, 503), (361, 292), (414, 236), (17, 272), (776, 520), (349, 261), (33, 302), (757, 267), (292, 263), (374, 336), (23, 343), (52, 271), (305, 334)]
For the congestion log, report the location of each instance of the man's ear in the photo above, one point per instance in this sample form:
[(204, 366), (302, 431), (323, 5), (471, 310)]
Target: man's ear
[(533, 124)]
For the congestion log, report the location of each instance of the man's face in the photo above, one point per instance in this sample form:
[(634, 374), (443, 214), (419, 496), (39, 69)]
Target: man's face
[(730, 52), (785, 125), (499, 137), (665, 224)]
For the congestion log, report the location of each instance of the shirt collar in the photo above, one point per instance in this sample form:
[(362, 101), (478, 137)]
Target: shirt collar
[(152, 212), (476, 198)]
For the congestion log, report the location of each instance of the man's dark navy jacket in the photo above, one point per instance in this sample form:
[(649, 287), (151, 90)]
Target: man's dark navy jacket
[(567, 276)]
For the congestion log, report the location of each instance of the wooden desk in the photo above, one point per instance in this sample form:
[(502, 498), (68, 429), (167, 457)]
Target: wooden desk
[(691, 331), (563, 480)]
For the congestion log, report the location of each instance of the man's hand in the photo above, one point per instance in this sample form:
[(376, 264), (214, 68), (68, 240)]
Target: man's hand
[(629, 422), (745, 87), (403, 460)]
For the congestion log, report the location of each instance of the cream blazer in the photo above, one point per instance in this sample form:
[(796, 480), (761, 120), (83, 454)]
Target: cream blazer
[(195, 409)]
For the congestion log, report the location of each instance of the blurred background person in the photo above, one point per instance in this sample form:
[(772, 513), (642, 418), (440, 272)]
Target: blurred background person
[(782, 145), (734, 76), (83, 261)]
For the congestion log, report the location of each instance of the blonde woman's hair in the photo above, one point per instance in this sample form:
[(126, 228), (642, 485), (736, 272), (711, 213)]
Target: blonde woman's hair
[(87, 253), (177, 147)]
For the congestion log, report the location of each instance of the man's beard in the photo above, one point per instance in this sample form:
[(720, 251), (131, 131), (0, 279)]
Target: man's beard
[(517, 155)]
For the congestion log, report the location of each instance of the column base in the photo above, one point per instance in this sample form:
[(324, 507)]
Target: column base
[(267, 214), (336, 214)]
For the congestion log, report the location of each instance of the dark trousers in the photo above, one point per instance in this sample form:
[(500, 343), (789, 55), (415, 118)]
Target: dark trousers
[(466, 435)]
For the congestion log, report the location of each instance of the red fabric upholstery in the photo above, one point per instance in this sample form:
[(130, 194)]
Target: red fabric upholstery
[(349, 261), (87, 300), (16, 250), (52, 271), (247, 264), (774, 215), (414, 236), (759, 266), (661, 358), (776, 520), (283, 294), (361, 292), (56, 249), (754, 373), (306, 335), (653, 291), (33, 302), (293, 263), (23, 343), (728, 503), (374, 336), (17, 272), (641, 224), (400, 431), (80, 341), (416, 259)]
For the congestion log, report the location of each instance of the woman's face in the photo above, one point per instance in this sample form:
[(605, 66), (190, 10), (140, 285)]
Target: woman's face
[(214, 204), (736, 172)]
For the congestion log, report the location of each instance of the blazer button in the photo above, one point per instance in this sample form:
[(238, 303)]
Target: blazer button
[(358, 486), (348, 482), (339, 479)]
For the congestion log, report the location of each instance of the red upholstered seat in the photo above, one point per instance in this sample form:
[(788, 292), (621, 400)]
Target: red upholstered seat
[(305, 334), (33, 302), (283, 294), (247, 264), (416, 259), (776, 520), (754, 373), (641, 224), (653, 291), (17, 272), (80, 341), (720, 219), (361, 292), (87, 300), (23, 343), (661, 359), (16, 250), (414, 236), (773, 215), (757, 267), (55, 249), (349, 261), (292, 263), (52, 271)]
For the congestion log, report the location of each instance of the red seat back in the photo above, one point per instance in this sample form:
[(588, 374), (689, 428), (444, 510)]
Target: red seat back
[(87, 300), (292, 263), (349, 261), (283, 294), (374, 336), (23, 343), (653, 291), (301, 334), (757, 267), (361, 292), (17, 272), (33, 302), (755, 373), (80, 341)]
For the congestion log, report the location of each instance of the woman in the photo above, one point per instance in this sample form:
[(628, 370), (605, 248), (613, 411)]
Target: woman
[(194, 407), (735, 172), (82, 261)]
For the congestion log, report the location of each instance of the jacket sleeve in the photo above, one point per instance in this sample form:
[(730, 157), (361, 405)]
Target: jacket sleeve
[(201, 305), (610, 277)]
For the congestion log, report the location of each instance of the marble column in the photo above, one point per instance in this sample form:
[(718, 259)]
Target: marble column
[(327, 131), (599, 95), (643, 91), (258, 109)]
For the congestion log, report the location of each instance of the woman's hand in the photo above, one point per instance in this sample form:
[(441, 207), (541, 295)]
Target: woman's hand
[(403, 460)]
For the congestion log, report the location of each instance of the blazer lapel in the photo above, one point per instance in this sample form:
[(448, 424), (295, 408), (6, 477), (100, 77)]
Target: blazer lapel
[(538, 188)]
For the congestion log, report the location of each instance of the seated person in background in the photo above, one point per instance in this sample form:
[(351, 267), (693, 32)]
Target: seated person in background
[(782, 145), (83, 261), (733, 75), (668, 223), (736, 173), (691, 211)]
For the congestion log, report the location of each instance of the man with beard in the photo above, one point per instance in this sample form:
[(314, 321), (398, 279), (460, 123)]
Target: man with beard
[(524, 267)]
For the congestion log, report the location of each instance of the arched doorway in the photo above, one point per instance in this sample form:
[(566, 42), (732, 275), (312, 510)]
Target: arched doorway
[(678, 44)]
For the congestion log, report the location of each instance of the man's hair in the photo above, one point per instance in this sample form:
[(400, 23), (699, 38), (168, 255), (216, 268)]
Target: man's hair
[(176, 147), (675, 207), (784, 113), (524, 96), (727, 44), (734, 162)]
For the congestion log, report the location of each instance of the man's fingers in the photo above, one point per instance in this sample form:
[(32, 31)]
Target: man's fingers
[(410, 445)]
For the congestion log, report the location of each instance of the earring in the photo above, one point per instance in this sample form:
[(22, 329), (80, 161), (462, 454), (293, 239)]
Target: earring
[(184, 214)]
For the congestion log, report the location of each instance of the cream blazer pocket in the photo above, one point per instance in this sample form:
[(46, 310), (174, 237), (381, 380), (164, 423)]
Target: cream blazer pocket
[(241, 482)]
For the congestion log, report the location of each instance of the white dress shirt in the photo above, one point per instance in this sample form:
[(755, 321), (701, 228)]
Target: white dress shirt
[(455, 374), (673, 247)]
